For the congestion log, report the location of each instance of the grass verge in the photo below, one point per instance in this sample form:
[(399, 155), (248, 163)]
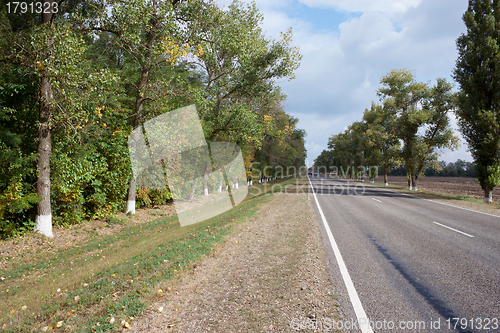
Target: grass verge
[(97, 285)]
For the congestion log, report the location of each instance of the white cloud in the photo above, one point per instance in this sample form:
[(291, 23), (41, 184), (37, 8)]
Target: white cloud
[(341, 68), (386, 6)]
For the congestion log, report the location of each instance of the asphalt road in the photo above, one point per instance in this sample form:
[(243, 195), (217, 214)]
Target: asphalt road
[(415, 264)]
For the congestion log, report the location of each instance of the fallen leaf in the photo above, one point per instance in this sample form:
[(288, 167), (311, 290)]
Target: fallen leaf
[(112, 320), (59, 324), (160, 309), (24, 307), (77, 298)]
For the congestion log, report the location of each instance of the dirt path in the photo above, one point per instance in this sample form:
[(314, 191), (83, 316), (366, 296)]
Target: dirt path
[(270, 271)]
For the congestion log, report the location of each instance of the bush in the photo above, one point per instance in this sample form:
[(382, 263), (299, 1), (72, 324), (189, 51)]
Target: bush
[(152, 197)]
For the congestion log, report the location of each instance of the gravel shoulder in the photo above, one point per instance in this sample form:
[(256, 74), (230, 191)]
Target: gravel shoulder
[(270, 273)]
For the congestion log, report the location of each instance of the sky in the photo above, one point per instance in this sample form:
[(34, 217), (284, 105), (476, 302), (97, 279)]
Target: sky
[(348, 45)]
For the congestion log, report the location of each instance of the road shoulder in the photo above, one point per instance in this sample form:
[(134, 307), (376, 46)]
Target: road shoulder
[(269, 275)]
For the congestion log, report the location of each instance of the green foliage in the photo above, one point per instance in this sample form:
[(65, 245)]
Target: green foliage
[(325, 161), (152, 197), (419, 106), (112, 66), (382, 143), (459, 168), (488, 175), (478, 73), (17, 151), (389, 132)]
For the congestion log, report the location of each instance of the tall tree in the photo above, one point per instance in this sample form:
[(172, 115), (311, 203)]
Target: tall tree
[(325, 162), (53, 52), (438, 132), (349, 150), (408, 96), (146, 39), (382, 143), (477, 71)]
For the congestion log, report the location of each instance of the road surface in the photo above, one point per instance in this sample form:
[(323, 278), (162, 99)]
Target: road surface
[(415, 265)]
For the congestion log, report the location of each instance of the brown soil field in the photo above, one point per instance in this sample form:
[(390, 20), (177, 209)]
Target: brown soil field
[(464, 186)]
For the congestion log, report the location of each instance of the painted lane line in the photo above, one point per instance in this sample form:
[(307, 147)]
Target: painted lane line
[(463, 233), (376, 200), (364, 323)]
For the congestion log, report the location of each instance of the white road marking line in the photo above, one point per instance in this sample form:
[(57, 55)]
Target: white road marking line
[(453, 229), (376, 200), (364, 323)]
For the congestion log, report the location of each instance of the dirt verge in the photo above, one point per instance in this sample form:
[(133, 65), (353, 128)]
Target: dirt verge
[(271, 270)]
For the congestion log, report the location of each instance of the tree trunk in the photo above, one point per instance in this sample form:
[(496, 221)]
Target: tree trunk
[(488, 196), (131, 196), (193, 188), (43, 218), (205, 178), (385, 177), (139, 99)]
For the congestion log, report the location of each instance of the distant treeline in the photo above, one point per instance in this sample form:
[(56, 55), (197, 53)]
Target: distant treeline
[(459, 168)]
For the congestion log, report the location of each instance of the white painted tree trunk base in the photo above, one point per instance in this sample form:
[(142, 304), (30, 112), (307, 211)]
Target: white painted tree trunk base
[(130, 207), (44, 225), (488, 199), (219, 189), (415, 188), (205, 192), (236, 185), (386, 184), (250, 183)]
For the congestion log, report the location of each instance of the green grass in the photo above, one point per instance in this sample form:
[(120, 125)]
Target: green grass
[(117, 275)]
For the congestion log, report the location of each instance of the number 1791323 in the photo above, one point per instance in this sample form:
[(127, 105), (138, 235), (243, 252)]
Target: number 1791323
[(16, 7)]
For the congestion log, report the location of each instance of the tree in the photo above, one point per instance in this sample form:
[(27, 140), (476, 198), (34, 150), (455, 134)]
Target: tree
[(146, 41), (438, 133), (53, 52), (477, 71), (382, 144), (238, 66), (348, 150), (325, 162), (238, 100), (408, 97)]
